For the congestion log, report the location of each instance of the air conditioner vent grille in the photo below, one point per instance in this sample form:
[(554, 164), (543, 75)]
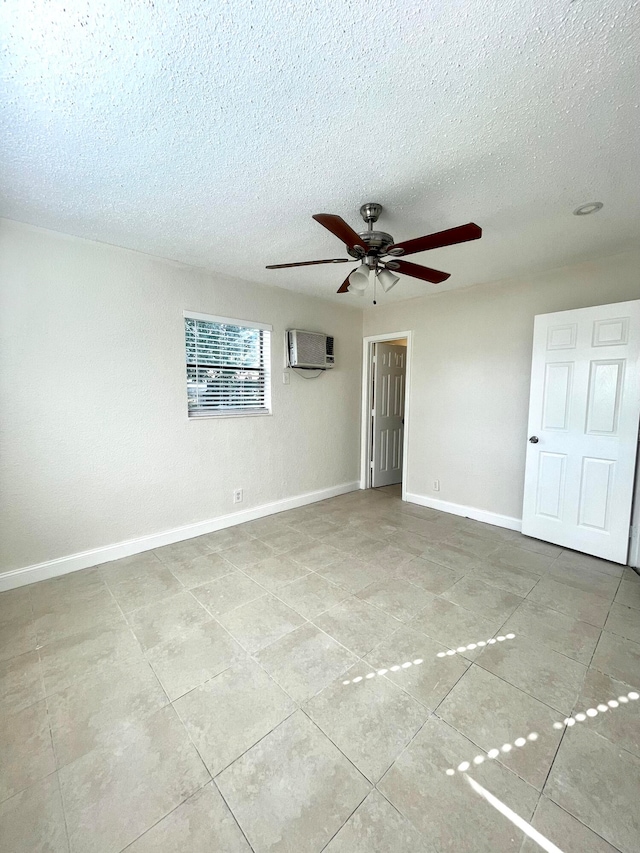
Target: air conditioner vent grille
[(311, 349)]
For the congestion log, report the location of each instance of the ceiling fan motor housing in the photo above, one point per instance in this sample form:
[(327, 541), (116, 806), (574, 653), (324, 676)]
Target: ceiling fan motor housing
[(377, 243)]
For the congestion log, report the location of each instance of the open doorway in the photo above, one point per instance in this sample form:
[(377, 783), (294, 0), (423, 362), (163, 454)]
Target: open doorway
[(385, 416)]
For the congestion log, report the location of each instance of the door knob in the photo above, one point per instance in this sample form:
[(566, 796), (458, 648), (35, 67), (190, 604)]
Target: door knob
[(534, 439)]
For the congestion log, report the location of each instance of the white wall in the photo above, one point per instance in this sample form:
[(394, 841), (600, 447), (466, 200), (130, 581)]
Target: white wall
[(96, 444), (469, 392)]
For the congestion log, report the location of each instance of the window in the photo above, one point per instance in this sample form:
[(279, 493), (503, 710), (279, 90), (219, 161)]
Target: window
[(228, 366)]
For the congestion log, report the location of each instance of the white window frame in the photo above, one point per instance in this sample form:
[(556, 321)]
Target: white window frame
[(247, 324)]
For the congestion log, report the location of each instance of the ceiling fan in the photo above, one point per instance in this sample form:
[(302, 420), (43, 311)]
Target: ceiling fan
[(370, 247)]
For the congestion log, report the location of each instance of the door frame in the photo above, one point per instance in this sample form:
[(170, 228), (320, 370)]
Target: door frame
[(365, 420), (634, 540)]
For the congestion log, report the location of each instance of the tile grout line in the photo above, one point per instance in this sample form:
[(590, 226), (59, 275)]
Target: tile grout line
[(344, 755), (485, 751), (143, 651), (179, 718), (473, 663), (555, 610), (602, 630), (525, 692), (232, 813), (299, 707), (565, 728), (574, 618), (28, 787), (471, 740), (348, 818), (531, 639), (64, 812), (51, 739), (597, 834), (212, 778)]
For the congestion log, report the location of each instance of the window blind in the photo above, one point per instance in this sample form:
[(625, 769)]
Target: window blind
[(228, 366)]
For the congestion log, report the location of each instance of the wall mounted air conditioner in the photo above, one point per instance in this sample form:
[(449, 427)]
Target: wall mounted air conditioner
[(309, 349)]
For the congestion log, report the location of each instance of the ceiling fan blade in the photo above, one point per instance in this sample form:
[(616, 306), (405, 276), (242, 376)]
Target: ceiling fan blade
[(344, 286), (417, 271), (460, 234), (309, 263), (340, 229)]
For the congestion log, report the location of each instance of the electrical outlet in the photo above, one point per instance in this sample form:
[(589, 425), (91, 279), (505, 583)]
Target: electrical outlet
[(436, 485), (237, 496)]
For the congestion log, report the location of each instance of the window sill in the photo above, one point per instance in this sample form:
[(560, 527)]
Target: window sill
[(218, 415)]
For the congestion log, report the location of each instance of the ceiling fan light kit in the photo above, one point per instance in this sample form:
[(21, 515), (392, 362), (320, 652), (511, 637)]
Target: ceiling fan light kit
[(359, 291), (359, 279), (387, 280), (371, 247)]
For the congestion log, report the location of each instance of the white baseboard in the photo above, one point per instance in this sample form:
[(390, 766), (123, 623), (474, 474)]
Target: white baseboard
[(96, 556), (467, 511)]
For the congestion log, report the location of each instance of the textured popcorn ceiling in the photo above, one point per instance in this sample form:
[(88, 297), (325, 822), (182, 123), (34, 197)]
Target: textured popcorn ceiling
[(209, 132)]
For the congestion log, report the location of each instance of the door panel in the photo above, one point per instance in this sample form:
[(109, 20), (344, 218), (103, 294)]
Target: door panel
[(607, 333), (584, 410), (595, 493), (388, 413), (562, 337), (603, 403), (383, 445), (551, 471), (557, 395)]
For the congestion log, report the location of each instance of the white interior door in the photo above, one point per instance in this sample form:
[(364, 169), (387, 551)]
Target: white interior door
[(583, 429), (389, 369)]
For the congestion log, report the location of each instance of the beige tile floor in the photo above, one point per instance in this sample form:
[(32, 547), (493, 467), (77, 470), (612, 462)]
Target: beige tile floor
[(304, 683)]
